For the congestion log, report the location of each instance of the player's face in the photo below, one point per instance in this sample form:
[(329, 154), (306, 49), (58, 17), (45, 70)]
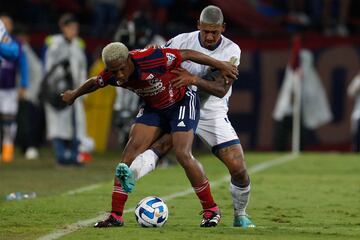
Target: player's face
[(7, 23), (210, 34), (70, 30), (120, 69)]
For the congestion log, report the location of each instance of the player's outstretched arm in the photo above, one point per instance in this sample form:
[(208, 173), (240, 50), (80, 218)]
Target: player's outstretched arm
[(88, 86), (227, 69)]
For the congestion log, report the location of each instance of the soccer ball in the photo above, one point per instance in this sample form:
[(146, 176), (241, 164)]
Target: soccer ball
[(151, 212)]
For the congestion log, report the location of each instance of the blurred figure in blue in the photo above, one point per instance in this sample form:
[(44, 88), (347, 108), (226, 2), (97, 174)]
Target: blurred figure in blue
[(13, 61)]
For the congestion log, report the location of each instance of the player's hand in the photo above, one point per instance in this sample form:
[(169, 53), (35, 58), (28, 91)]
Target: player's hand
[(21, 93), (225, 79), (229, 70), (184, 78), (68, 96)]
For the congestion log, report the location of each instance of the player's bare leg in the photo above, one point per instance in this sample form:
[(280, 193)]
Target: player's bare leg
[(182, 144), (146, 161), (141, 137), (233, 158)]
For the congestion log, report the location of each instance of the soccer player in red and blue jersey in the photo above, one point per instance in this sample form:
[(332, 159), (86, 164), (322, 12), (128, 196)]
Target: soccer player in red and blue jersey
[(167, 109)]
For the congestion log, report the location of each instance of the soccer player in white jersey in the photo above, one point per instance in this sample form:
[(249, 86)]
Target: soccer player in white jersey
[(214, 127)]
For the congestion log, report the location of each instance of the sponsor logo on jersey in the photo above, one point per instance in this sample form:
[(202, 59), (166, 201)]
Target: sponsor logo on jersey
[(170, 58), (156, 86), (233, 60), (150, 76)]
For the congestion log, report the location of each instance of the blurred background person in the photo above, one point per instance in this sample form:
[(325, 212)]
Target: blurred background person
[(136, 33), (126, 106), (335, 16), (65, 66), (30, 116), (354, 92), (105, 15), (9, 90), (99, 108), (315, 109)]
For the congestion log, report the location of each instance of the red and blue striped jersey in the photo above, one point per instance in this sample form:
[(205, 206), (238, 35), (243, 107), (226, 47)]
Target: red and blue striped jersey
[(151, 77)]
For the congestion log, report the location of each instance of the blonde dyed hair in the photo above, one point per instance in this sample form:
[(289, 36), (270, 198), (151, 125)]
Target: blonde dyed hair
[(115, 51)]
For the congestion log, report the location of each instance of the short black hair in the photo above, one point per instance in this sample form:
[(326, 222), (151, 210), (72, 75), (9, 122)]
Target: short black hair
[(66, 19)]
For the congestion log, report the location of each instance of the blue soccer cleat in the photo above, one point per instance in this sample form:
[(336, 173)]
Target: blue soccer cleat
[(126, 177), (243, 222)]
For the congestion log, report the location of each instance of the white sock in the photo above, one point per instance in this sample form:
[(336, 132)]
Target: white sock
[(144, 163), (240, 198)]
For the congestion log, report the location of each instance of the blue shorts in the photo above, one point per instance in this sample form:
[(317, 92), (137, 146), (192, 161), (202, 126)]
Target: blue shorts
[(182, 116)]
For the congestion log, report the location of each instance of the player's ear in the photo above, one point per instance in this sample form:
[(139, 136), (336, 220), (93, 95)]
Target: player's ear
[(198, 24), (223, 27)]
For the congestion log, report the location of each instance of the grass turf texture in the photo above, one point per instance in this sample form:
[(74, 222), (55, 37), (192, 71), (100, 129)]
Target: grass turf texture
[(316, 196)]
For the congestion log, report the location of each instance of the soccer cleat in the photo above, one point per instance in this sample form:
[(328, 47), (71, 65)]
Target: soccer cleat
[(126, 177), (84, 157), (211, 217), (113, 220), (243, 221)]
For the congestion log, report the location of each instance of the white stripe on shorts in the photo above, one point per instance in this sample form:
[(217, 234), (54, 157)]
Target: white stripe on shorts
[(191, 105), (181, 112)]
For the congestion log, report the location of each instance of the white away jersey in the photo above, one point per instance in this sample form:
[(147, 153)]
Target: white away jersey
[(213, 107)]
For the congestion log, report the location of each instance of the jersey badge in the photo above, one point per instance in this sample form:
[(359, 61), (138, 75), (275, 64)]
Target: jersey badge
[(170, 58)]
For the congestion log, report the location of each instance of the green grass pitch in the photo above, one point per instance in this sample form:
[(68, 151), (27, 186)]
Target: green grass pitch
[(314, 196)]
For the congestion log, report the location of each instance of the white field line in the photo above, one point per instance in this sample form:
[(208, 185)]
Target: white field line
[(83, 189), (87, 222)]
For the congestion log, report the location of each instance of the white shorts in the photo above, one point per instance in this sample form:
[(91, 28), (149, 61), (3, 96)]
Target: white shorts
[(8, 101), (217, 133)]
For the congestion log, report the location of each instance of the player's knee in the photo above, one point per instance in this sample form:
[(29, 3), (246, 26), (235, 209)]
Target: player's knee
[(162, 147), (132, 150), (184, 157), (240, 178)]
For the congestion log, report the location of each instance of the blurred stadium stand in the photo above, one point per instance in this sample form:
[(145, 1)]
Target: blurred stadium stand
[(263, 30)]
